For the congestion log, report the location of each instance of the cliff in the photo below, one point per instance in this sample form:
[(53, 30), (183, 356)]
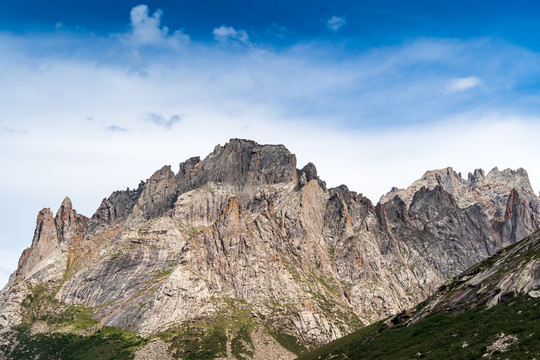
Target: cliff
[(243, 242)]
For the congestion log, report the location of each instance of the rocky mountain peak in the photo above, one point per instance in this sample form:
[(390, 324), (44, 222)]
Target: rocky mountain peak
[(243, 231), (494, 187), (477, 176), (241, 162), (447, 178), (44, 223), (65, 217), (65, 207), (487, 212), (45, 260), (516, 179), (310, 170), (158, 195), (237, 164)]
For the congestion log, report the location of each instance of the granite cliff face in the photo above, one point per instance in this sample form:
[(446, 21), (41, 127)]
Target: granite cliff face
[(511, 272), (244, 242), (490, 311), (454, 223)]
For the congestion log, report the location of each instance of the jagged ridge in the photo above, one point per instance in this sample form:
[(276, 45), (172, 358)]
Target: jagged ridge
[(245, 224), (489, 309)]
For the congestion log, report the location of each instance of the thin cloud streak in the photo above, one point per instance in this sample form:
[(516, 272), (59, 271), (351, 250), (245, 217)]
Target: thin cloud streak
[(336, 23), (115, 128), (162, 121), (462, 84)]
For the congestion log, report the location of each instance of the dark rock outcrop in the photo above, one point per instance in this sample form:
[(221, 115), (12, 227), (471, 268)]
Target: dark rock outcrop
[(512, 271), (245, 224), (455, 223)]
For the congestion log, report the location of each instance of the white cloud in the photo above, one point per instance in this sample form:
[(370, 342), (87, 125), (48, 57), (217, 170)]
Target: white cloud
[(147, 30), (160, 120), (225, 34), (115, 128), (323, 106), (336, 23), (462, 84)]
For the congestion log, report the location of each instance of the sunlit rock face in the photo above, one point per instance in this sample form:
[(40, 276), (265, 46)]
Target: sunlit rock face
[(512, 271), (245, 224), (455, 223)]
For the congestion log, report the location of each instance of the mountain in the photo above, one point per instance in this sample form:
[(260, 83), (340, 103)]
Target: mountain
[(455, 223), (490, 311), (241, 255)]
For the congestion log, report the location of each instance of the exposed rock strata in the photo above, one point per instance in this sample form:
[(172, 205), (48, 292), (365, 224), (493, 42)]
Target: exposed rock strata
[(246, 224), (454, 223), (45, 261), (513, 271)]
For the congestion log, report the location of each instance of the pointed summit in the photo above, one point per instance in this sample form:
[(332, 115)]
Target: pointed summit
[(518, 179), (240, 162), (477, 176)]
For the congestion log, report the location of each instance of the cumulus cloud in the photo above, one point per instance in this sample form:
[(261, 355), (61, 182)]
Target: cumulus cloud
[(115, 128), (160, 120), (462, 84), (147, 29), (336, 23), (226, 34)]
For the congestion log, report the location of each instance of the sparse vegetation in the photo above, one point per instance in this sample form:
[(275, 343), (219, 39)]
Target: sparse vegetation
[(207, 338), (62, 341), (289, 342), (241, 344), (443, 335), (105, 343), (163, 273)]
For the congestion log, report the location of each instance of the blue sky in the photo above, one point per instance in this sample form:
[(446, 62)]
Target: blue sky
[(368, 23), (95, 96)]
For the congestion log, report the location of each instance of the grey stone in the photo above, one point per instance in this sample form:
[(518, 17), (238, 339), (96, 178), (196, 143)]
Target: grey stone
[(245, 223)]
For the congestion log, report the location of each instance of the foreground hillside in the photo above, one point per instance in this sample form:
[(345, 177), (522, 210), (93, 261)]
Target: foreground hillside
[(241, 255), (490, 311)]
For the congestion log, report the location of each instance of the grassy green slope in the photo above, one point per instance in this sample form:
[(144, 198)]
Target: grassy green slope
[(65, 338), (447, 336), (70, 332)]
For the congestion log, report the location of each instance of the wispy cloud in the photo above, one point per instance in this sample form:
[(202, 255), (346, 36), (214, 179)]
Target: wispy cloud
[(147, 29), (226, 34), (318, 99), (160, 120), (10, 130), (336, 23), (462, 84), (115, 128)]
